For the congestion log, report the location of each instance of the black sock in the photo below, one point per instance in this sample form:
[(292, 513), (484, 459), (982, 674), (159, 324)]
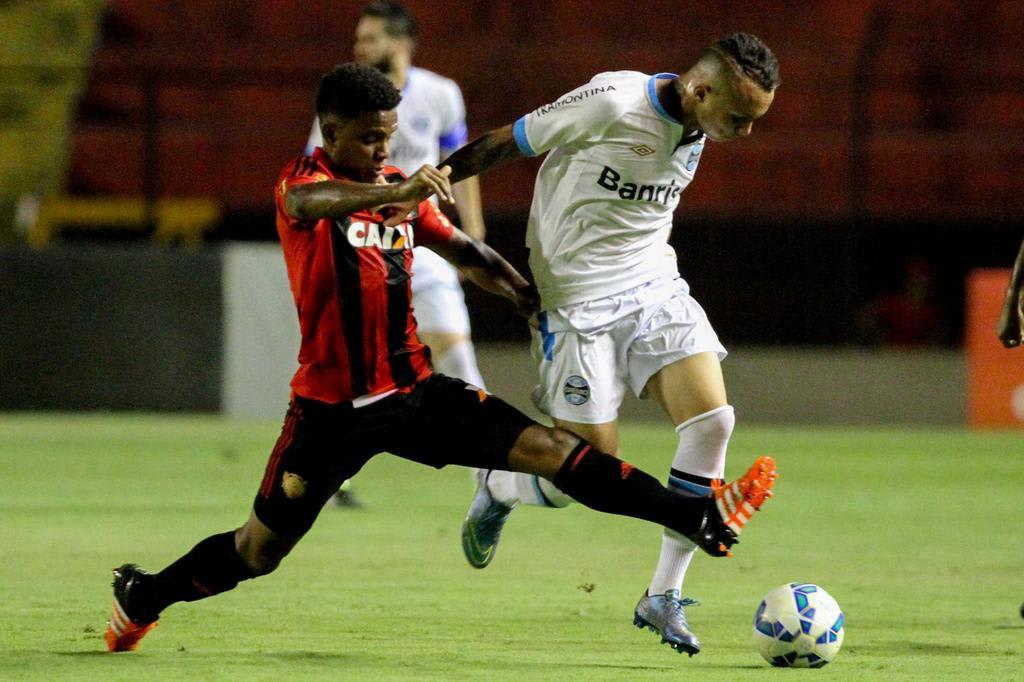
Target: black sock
[(614, 486), (211, 567)]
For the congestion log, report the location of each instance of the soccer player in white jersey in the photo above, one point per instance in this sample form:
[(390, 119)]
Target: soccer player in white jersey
[(431, 124), (615, 313)]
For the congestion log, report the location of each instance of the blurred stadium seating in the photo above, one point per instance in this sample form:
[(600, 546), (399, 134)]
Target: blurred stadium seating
[(879, 113), (45, 52)]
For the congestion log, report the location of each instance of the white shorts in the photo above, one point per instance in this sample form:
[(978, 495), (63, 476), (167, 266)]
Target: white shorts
[(438, 302), (589, 353)]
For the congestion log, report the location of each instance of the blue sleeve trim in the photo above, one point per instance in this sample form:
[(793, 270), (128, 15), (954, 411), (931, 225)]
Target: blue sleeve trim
[(454, 138), (519, 133)]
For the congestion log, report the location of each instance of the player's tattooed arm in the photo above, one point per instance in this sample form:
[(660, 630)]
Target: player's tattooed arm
[(337, 199), (482, 154), (1011, 319), (488, 270)]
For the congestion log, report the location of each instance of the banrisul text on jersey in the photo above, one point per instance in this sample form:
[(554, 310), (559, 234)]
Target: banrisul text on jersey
[(611, 180)]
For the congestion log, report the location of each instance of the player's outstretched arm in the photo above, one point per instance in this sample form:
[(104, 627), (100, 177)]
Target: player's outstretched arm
[(488, 270), (337, 199), (1011, 320), (482, 154)]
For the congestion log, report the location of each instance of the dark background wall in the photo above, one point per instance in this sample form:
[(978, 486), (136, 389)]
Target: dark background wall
[(110, 328), (905, 110), (798, 282)]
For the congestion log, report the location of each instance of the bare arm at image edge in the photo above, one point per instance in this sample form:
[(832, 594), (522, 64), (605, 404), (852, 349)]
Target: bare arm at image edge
[(1011, 320)]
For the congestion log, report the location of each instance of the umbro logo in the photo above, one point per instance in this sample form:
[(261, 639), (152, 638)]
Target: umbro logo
[(642, 150)]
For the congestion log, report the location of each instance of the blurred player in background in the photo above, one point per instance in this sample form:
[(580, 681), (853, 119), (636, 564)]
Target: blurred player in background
[(1011, 319), (616, 314), (432, 124), (365, 384)]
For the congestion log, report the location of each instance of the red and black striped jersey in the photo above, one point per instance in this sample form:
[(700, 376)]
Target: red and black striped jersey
[(351, 280)]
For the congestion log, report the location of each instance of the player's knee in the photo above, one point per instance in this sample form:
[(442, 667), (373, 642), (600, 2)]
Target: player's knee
[(541, 450), (261, 554), (563, 442), (716, 425), (262, 560), (555, 443), (703, 441)]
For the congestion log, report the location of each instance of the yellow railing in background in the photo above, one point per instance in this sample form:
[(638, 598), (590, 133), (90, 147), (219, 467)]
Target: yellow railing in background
[(181, 220), (45, 50)]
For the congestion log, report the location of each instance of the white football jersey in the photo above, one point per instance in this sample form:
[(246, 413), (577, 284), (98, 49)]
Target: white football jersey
[(604, 197), (431, 122)]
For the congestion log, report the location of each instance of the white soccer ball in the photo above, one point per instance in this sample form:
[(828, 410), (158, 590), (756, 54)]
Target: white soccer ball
[(798, 625)]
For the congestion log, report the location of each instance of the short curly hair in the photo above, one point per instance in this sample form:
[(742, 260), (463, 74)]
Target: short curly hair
[(351, 89), (752, 56)]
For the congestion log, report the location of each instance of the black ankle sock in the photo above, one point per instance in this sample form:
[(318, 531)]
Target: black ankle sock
[(211, 567), (614, 486)]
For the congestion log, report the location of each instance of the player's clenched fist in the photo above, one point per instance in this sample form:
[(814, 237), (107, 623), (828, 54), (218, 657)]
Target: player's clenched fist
[(417, 187), (426, 181)]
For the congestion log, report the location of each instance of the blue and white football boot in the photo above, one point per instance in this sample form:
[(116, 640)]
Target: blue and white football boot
[(484, 521)]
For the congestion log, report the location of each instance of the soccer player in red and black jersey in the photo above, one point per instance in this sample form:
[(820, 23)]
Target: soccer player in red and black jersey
[(365, 384)]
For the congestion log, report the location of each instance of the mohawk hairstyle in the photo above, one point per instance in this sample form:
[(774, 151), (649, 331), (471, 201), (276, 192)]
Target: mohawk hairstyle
[(398, 20), (351, 89), (752, 56)]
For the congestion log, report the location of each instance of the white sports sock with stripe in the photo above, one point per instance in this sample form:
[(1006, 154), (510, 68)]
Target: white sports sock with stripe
[(701, 454), (511, 488)]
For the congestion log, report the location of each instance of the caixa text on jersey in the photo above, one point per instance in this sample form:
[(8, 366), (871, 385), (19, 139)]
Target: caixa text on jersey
[(364, 235)]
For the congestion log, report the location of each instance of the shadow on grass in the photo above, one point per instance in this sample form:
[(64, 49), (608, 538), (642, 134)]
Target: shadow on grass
[(70, 653), (612, 666), (276, 655), (931, 648), (608, 666)]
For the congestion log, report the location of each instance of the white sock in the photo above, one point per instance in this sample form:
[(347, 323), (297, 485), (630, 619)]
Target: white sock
[(676, 553), (701, 454), (512, 488), (460, 361)]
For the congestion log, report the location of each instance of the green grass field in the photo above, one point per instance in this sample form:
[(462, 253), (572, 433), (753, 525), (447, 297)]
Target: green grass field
[(917, 533)]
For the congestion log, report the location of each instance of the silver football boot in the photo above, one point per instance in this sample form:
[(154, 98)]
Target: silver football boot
[(665, 615)]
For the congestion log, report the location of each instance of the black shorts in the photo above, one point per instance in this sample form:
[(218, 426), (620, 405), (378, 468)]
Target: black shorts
[(441, 421)]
